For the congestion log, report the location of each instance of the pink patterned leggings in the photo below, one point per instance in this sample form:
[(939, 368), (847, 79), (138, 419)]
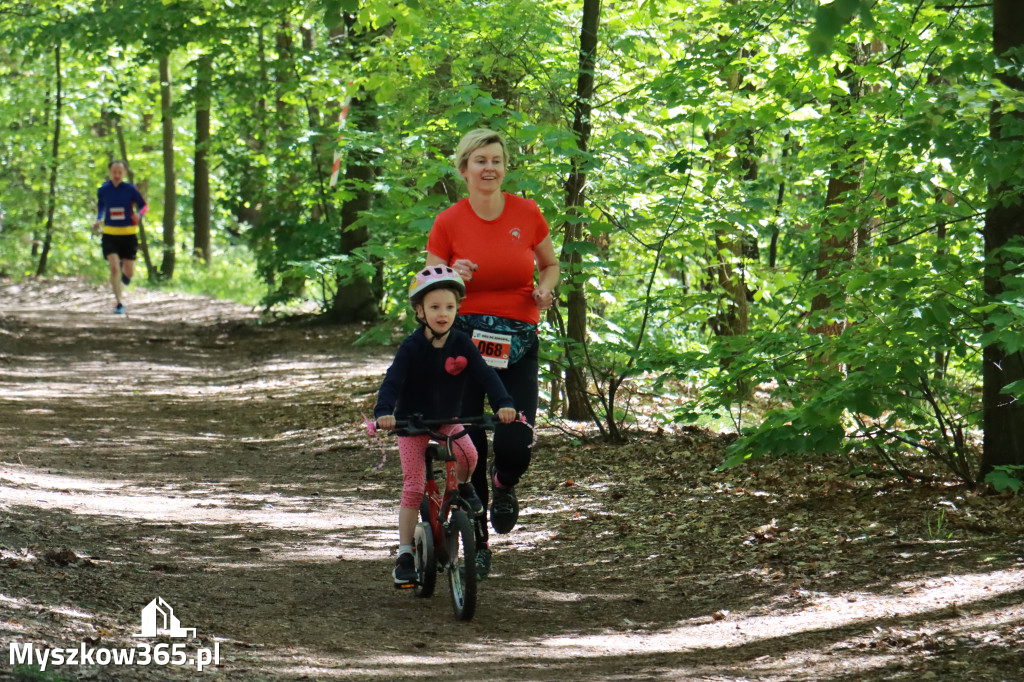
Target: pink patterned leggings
[(414, 467)]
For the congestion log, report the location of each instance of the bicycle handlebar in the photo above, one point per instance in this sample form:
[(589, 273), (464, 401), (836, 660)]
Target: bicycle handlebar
[(415, 424)]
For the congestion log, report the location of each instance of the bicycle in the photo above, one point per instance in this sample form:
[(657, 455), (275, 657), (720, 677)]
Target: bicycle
[(445, 538)]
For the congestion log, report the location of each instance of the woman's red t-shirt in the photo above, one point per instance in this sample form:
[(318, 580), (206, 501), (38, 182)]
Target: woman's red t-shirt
[(504, 251)]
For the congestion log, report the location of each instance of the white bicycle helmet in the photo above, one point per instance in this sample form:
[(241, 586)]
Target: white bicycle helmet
[(435, 277)]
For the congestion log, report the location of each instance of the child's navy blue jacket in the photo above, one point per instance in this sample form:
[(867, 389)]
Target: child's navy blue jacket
[(430, 381)]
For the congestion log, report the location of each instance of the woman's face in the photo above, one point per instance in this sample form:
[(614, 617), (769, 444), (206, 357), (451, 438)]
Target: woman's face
[(116, 173), (485, 168)]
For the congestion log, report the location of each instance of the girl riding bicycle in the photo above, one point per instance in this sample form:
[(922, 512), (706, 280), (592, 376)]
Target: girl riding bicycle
[(428, 378)]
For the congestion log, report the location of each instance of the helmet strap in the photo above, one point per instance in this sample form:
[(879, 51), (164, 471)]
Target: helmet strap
[(433, 332)]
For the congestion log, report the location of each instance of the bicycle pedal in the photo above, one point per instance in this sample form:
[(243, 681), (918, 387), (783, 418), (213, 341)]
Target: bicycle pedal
[(404, 586)]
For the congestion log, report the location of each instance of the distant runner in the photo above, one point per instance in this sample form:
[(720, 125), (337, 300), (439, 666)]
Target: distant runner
[(117, 217)]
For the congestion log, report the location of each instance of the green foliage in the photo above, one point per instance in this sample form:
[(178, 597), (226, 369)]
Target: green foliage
[(231, 276), (32, 673), (1004, 478), (783, 199), (937, 528)]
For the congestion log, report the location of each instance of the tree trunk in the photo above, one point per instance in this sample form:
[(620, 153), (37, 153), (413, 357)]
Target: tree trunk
[(252, 186), (201, 198), (356, 298), (1003, 414), (170, 197), (143, 190), (577, 403), (320, 148), (839, 240), (54, 158), (286, 230)]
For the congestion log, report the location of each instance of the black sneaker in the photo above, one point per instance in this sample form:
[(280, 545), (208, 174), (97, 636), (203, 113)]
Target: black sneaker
[(504, 508), (405, 571), (483, 563), (125, 279), (468, 493)]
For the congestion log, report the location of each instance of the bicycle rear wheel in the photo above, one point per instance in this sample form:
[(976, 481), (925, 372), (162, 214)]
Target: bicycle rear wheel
[(461, 546), (426, 564)]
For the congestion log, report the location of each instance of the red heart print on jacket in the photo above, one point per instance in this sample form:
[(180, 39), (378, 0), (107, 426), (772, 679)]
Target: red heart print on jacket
[(455, 365)]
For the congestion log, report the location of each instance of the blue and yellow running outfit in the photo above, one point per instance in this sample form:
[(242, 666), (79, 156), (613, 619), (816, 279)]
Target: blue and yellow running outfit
[(114, 207)]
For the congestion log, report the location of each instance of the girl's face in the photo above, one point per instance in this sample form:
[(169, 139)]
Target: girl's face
[(485, 168), (439, 309), (116, 174)]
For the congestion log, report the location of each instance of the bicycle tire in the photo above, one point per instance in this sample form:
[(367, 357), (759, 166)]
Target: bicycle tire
[(461, 546), (426, 563)]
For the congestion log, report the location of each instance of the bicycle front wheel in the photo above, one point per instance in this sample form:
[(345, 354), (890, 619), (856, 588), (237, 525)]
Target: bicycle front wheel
[(461, 545), (426, 564)]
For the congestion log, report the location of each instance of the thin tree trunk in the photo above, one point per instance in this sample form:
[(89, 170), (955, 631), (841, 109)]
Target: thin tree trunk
[(357, 297), (291, 285), (839, 240), (54, 158), (141, 186), (577, 402), (170, 197), (201, 198), (1003, 414)]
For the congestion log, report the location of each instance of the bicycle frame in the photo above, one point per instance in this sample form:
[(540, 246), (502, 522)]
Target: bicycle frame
[(439, 503)]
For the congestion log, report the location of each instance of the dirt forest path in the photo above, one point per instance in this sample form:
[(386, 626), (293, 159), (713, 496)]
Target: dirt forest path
[(188, 453)]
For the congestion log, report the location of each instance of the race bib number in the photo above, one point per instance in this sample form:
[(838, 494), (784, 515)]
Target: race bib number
[(494, 348), (117, 213)]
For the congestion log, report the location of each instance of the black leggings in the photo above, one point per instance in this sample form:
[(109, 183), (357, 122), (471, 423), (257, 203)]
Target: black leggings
[(511, 441)]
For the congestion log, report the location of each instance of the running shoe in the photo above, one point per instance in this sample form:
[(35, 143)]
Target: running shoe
[(504, 507), (405, 571), (119, 309), (125, 279)]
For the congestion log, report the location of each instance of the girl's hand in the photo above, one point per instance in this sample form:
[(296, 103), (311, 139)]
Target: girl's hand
[(507, 415), (465, 268), (387, 423)]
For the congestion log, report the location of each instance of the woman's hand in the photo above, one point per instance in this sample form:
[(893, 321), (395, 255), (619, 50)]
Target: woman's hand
[(543, 298), (387, 422), (465, 268), (507, 415)]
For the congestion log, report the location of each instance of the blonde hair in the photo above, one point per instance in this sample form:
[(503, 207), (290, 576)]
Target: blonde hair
[(473, 140)]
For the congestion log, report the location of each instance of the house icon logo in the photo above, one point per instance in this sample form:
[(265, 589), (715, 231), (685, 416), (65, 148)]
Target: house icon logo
[(158, 619)]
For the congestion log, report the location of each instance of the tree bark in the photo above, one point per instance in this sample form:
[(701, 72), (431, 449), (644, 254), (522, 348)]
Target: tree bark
[(54, 158), (839, 240), (1003, 414), (170, 197), (201, 198), (143, 190), (577, 402), (357, 297)]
